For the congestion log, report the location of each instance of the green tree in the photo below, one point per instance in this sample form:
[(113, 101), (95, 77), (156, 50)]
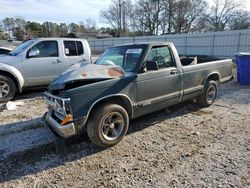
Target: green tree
[(9, 25), (33, 29), (74, 28)]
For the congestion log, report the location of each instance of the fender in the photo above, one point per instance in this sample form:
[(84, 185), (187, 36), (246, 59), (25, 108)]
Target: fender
[(15, 73), (213, 74), (110, 97)]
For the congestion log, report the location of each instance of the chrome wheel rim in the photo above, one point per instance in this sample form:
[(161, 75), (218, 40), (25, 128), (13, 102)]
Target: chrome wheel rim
[(211, 93), (112, 126), (4, 89)]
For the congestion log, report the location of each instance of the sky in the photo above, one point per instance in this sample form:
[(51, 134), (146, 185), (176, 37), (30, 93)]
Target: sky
[(66, 11)]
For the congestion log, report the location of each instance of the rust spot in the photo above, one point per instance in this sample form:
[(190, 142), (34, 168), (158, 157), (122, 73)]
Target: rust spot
[(115, 72), (84, 74)]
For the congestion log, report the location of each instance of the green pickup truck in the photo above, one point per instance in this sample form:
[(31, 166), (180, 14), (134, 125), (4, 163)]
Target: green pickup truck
[(126, 82)]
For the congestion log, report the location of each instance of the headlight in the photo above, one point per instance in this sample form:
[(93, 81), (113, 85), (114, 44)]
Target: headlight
[(59, 107)]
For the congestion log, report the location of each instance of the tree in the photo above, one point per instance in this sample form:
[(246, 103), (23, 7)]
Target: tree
[(63, 29), (19, 28), (33, 29), (2, 34), (9, 25), (221, 13), (119, 16), (169, 8), (148, 15), (50, 29), (189, 14), (74, 28), (240, 20)]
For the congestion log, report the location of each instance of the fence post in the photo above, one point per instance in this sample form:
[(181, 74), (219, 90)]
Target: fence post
[(185, 51), (238, 45), (213, 41)]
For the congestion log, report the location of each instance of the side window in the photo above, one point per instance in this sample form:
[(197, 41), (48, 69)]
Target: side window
[(162, 55), (46, 49), (79, 47), (73, 48)]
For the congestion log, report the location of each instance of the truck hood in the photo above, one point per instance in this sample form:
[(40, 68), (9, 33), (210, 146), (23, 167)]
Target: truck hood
[(86, 73)]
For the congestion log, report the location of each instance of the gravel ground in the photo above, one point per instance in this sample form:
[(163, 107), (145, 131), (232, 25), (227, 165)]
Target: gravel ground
[(183, 146)]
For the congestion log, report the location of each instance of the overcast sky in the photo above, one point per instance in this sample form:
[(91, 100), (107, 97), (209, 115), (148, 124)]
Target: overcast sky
[(53, 10), (57, 10)]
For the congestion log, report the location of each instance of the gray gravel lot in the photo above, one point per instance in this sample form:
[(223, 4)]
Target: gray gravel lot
[(184, 146)]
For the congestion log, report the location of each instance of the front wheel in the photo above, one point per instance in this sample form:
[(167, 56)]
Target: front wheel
[(108, 125), (209, 94), (7, 88)]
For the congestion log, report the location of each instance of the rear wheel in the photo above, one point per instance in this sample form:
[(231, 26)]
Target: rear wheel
[(7, 88), (209, 94), (108, 125)]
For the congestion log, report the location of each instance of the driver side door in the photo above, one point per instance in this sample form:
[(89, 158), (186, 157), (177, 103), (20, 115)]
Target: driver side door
[(43, 67), (160, 88)]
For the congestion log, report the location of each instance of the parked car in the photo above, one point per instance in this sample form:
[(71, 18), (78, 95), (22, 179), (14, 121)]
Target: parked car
[(5, 50), (37, 62), (126, 82)]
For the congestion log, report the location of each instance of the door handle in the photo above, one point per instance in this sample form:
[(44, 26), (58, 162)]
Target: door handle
[(58, 61), (173, 71)]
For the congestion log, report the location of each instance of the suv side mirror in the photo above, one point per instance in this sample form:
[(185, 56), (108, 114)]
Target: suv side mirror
[(34, 52), (152, 65)]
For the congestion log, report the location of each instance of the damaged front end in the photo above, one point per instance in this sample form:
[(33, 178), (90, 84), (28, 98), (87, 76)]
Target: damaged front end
[(86, 74), (60, 116)]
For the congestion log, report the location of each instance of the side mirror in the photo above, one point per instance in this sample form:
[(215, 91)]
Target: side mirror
[(152, 65), (34, 52)]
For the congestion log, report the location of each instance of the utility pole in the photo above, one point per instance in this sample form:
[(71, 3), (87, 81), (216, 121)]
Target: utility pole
[(123, 18), (120, 17)]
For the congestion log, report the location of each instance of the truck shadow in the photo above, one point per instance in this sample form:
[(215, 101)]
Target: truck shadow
[(44, 157), (29, 94)]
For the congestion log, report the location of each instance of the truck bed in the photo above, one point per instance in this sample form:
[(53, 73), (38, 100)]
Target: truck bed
[(196, 59)]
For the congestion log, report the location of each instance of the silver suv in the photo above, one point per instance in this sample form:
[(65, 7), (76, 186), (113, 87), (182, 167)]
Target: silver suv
[(37, 62)]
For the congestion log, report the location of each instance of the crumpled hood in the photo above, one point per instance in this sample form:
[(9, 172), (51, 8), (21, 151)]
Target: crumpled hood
[(87, 71)]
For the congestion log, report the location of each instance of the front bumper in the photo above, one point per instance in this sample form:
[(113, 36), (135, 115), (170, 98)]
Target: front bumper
[(64, 131)]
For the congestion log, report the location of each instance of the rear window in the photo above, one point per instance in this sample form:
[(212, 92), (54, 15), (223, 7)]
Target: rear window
[(73, 48)]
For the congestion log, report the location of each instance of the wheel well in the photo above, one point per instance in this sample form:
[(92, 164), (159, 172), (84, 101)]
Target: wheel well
[(10, 76), (214, 76), (120, 100)]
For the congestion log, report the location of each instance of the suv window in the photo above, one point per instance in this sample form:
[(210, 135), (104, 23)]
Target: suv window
[(46, 49), (73, 48), (162, 55)]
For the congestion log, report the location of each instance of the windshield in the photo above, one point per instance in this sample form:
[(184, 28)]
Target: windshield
[(21, 47), (125, 56)]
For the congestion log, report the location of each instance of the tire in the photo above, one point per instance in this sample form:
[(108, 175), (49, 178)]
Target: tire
[(7, 88), (208, 94), (108, 124)]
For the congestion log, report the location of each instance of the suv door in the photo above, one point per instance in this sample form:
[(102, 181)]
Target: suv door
[(160, 88), (43, 67), (73, 52)]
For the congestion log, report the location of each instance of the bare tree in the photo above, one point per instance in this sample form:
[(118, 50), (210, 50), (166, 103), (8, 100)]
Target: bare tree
[(240, 20), (118, 16), (169, 8), (221, 13), (148, 15)]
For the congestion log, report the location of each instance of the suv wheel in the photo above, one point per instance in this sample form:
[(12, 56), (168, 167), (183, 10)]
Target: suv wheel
[(7, 88)]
